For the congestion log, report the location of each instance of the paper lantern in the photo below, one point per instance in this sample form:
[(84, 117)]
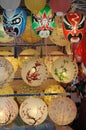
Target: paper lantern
[(64, 69), (57, 35), (62, 110), (50, 58), (34, 72), (33, 111), (6, 72), (4, 38), (43, 22), (14, 25), (9, 4), (35, 5), (8, 110), (60, 5), (29, 54), (53, 88), (28, 34), (6, 90), (14, 61), (73, 26)]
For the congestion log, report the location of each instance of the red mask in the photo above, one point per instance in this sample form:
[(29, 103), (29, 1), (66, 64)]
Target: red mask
[(73, 27)]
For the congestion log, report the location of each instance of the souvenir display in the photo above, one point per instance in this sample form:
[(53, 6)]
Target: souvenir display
[(64, 69), (43, 22), (73, 26), (34, 72), (8, 110), (62, 110), (33, 111), (14, 25), (6, 72), (28, 34)]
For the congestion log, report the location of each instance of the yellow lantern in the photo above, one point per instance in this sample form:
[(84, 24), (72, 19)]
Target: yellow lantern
[(57, 35), (62, 110), (6, 90), (29, 54), (33, 111), (64, 69), (28, 34), (35, 5), (56, 88), (34, 72), (10, 57), (50, 58), (4, 38), (8, 110)]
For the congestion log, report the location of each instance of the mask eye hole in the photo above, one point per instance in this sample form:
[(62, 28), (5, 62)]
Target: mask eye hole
[(16, 21)]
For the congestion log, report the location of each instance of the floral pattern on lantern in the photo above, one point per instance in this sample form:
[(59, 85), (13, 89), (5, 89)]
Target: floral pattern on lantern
[(8, 110), (62, 110), (33, 111), (34, 72), (64, 69)]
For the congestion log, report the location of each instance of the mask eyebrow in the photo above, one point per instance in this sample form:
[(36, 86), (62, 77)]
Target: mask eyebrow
[(82, 20), (66, 21)]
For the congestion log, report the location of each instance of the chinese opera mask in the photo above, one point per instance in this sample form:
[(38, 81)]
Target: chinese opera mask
[(14, 25), (73, 26), (43, 22)]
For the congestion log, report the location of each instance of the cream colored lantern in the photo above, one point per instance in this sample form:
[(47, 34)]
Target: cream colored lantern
[(33, 111), (29, 53), (10, 57), (8, 110), (64, 69), (6, 72), (62, 110), (34, 72), (50, 58), (53, 88)]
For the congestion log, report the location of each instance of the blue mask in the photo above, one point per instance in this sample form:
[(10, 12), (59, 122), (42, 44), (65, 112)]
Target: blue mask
[(15, 24)]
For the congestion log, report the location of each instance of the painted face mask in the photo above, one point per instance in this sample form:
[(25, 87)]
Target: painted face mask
[(73, 27), (14, 25), (43, 23)]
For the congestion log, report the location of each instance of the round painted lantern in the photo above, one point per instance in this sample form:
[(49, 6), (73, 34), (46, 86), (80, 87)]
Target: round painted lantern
[(10, 57), (73, 26), (8, 110), (60, 6), (6, 72), (35, 5), (64, 69), (34, 72), (4, 38), (28, 34), (57, 35), (33, 111), (15, 24), (53, 88), (26, 55), (43, 22), (50, 58), (62, 110)]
